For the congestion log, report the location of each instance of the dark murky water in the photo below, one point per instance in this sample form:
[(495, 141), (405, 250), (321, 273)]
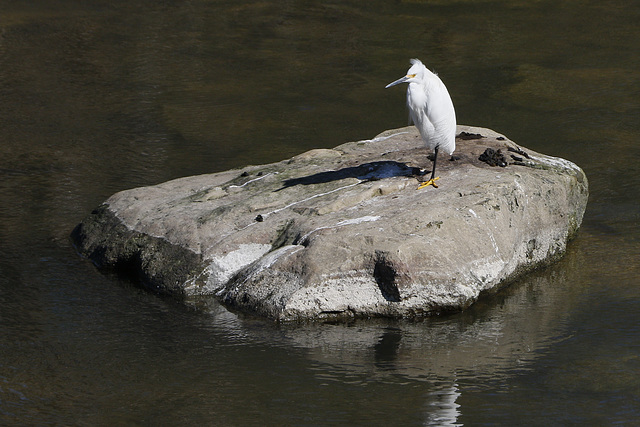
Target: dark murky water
[(97, 97)]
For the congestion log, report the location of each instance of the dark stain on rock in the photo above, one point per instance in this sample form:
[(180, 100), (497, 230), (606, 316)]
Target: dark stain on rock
[(466, 136), (152, 262), (519, 151), (493, 157)]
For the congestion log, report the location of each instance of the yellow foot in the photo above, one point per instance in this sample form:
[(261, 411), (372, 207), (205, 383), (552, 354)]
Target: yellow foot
[(428, 183)]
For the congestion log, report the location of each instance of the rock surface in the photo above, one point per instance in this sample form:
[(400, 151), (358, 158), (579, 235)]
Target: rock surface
[(343, 232)]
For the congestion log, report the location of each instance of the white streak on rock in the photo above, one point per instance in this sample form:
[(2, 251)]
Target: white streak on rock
[(309, 198), (556, 162), (368, 218), (360, 220), (383, 138), (253, 180), (222, 268), (269, 259)]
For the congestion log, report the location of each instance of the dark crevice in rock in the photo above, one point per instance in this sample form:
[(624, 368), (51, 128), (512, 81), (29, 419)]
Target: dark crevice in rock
[(287, 235), (385, 275)]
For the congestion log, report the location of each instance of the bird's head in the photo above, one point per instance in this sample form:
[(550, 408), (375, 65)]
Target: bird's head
[(415, 74)]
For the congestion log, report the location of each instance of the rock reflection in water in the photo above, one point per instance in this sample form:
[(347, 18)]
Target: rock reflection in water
[(498, 337)]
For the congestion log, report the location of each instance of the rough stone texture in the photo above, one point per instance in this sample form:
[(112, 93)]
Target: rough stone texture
[(344, 232)]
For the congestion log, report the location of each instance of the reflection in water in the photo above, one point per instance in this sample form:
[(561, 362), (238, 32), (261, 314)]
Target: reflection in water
[(498, 338), (487, 339), (387, 348), (443, 408)]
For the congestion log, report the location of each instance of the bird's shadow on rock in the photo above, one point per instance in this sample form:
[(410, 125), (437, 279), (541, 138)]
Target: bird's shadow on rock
[(364, 172)]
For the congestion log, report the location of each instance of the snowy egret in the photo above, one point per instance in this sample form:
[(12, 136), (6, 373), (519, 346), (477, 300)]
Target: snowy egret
[(431, 110)]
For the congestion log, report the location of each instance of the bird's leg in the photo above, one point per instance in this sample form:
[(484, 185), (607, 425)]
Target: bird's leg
[(433, 179)]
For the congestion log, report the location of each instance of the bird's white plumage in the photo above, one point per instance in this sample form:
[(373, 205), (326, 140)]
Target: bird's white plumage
[(430, 107)]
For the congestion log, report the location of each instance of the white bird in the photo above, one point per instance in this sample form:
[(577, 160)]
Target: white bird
[(431, 110)]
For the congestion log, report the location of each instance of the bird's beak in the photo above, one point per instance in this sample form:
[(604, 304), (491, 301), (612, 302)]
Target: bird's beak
[(401, 80)]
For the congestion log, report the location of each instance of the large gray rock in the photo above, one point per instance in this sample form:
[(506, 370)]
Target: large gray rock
[(345, 232)]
